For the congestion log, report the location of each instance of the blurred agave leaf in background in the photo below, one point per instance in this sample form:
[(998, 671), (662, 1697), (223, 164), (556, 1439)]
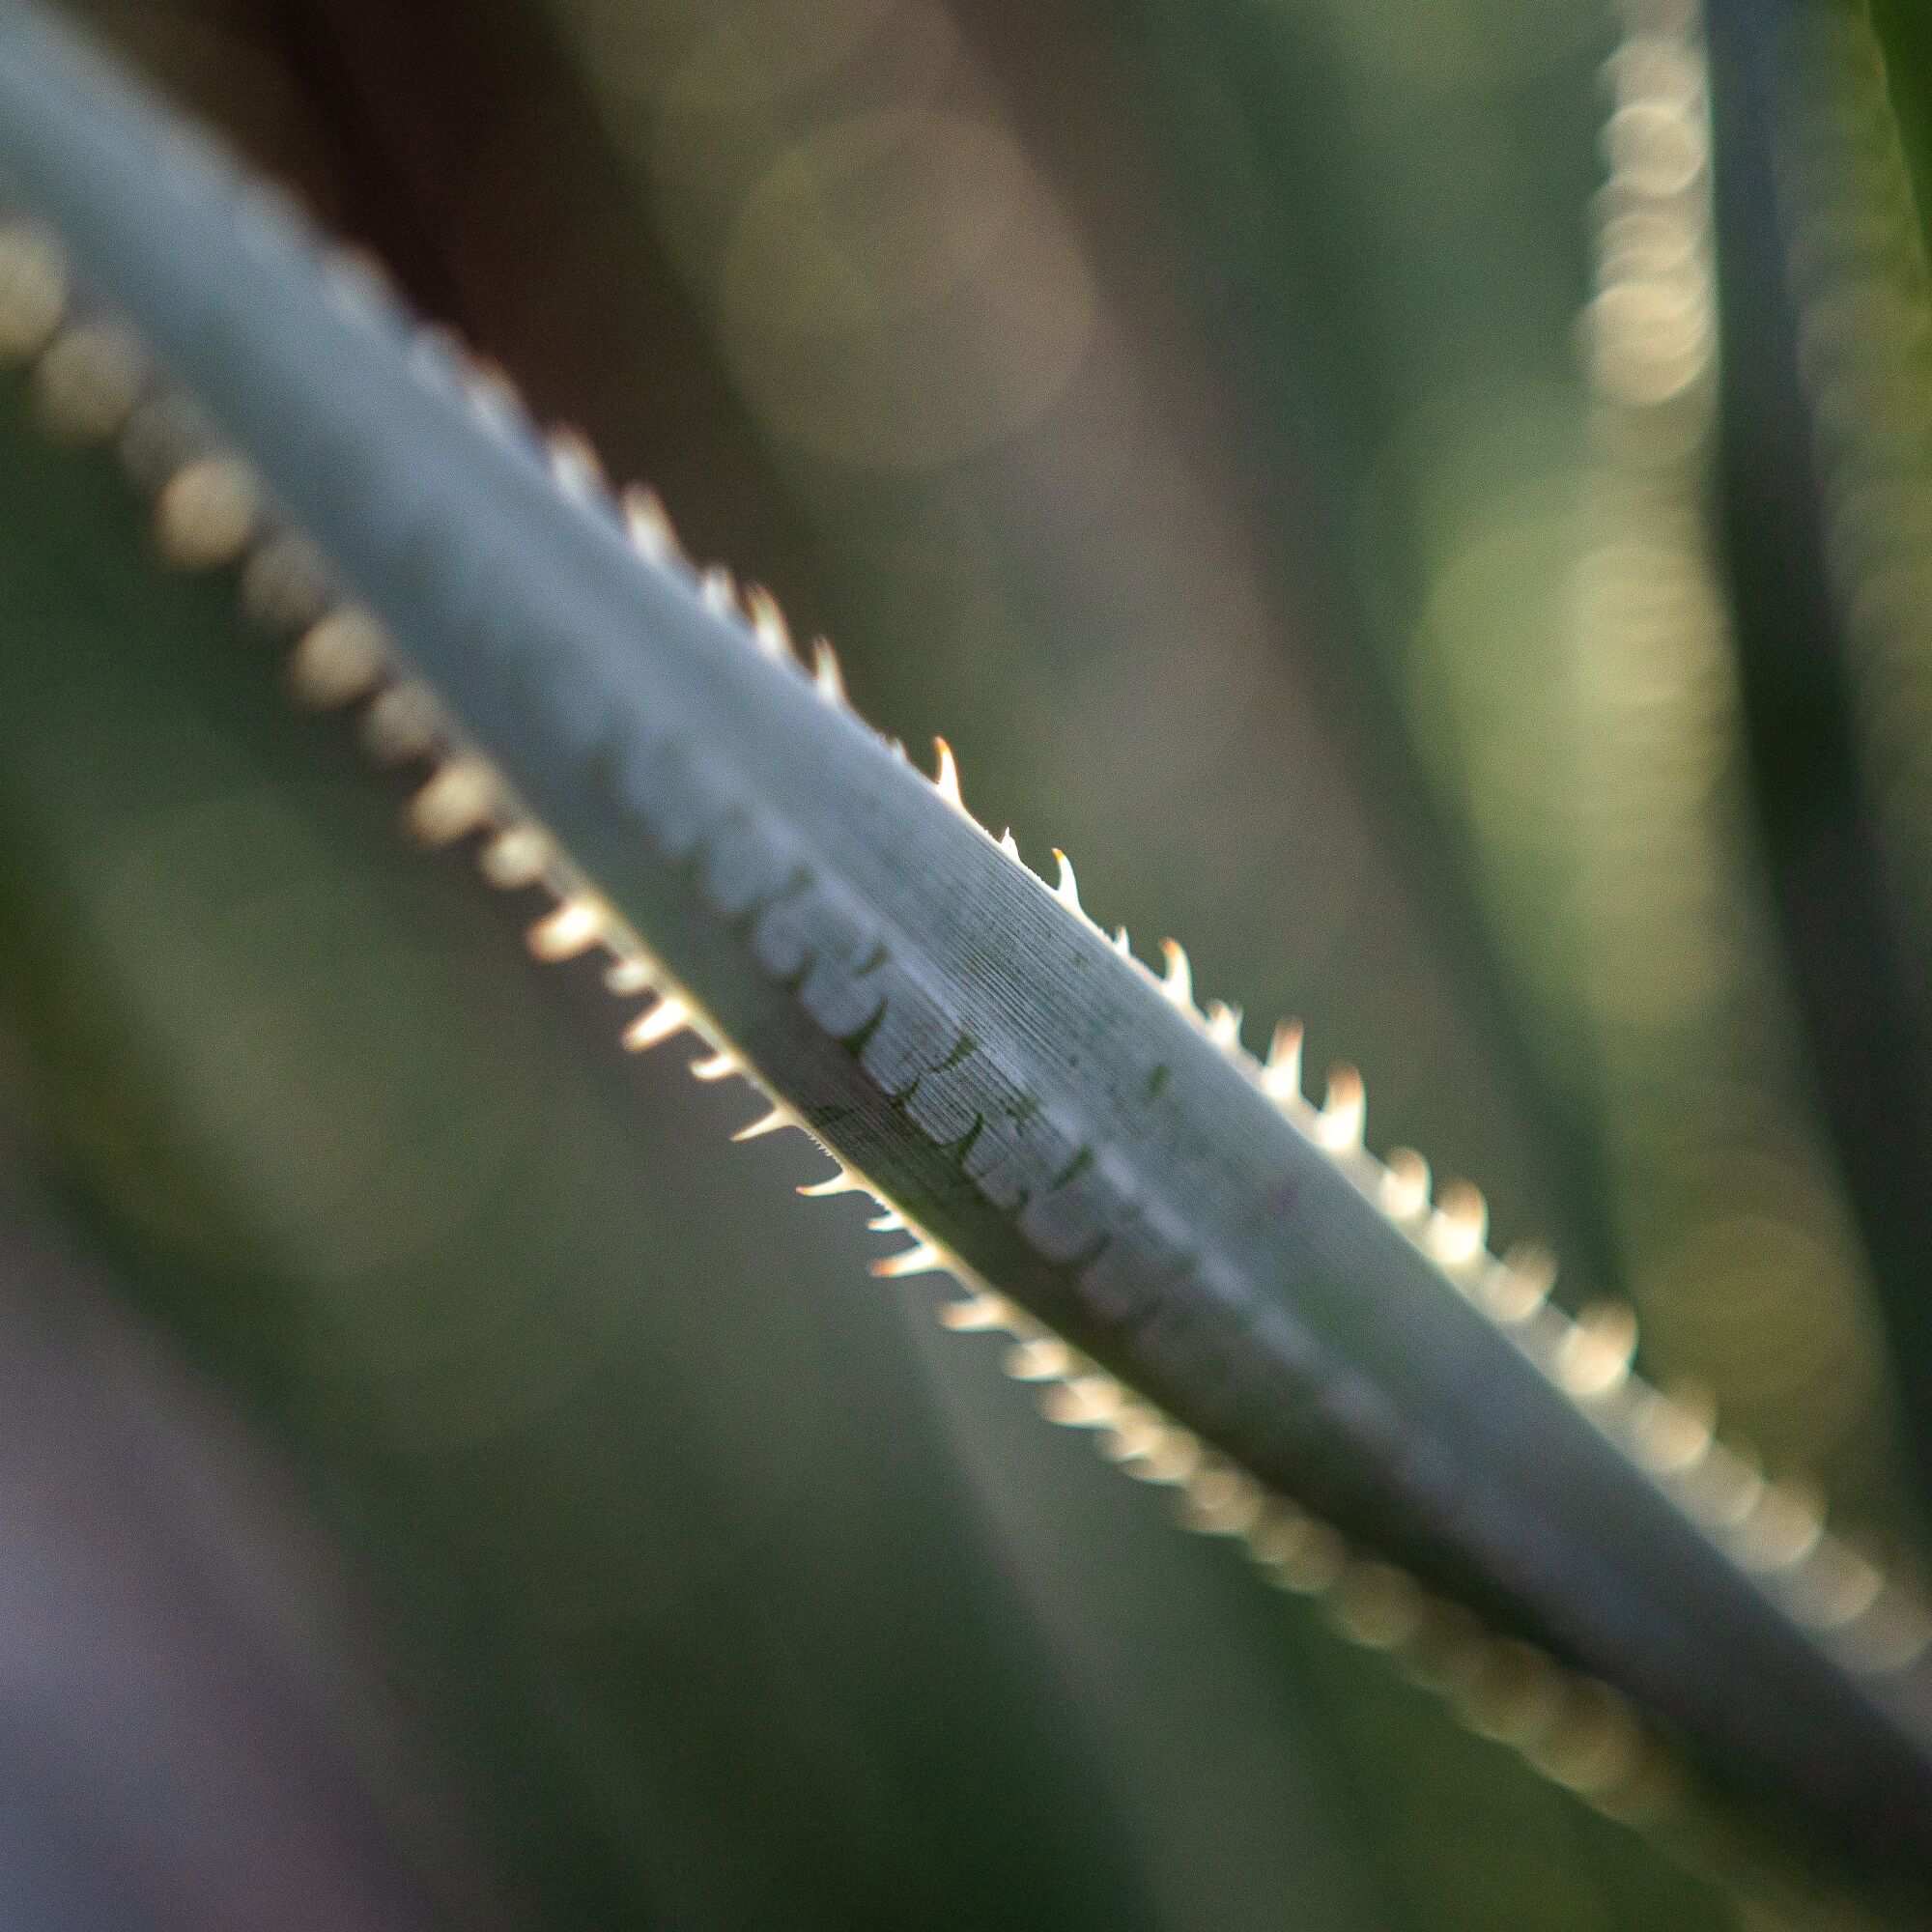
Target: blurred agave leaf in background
[(1743, 1256), (685, 1530), (1827, 380), (1532, 544)]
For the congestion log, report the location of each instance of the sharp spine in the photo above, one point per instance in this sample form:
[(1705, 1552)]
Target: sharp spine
[(1673, 1432), (1086, 1399), (670, 1015), (1281, 1072), (576, 466), (845, 1181), (946, 777), (517, 857), (1067, 888), (32, 290), (401, 724), (768, 625), (342, 658), (922, 1258), (1224, 1025), (827, 679), (574, 927), (286, 583), (490, 392), (458, 800), (207, 513), (1516, 1289), (628, 973), (1456, 1233), (652, 534), (772, 1123), (1340, 1124), (1045, 1359), (980, 1313), (1177, 982), (1405, 1189), (719, 590), (89, 383), (1594, 1359)]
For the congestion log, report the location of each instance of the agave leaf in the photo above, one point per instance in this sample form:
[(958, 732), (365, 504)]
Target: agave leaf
[(1226, 1723), (1823, 491), (1031, 610), (1127, 498), (1059, 1123), (1558, 703), (679, 1543)]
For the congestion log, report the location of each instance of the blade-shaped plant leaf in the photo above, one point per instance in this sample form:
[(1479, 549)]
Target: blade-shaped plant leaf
[(1060, 1126), (1822, 517), (687, 1561), (1260, 1767), (1556, 627)]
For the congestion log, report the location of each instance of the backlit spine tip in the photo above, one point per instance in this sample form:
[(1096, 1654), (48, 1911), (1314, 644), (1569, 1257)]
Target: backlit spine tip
[(669, 1015), (768, 625), (921, 1257), (1176, 982), (828, 680), (1281, 1071), (773, 1120), (573, 927), (1345, 1112), (651, 531), (1067, 886), (575, 465), (946, 777)]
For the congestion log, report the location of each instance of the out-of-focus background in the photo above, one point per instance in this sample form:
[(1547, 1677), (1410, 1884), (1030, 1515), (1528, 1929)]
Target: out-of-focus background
[(1295, 452)]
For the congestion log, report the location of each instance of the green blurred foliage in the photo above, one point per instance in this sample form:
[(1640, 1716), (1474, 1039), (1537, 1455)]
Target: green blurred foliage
[(1186, 409), (744, 1595)]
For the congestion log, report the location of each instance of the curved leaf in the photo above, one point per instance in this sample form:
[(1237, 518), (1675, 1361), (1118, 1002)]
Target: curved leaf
[(1062, 1124)]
